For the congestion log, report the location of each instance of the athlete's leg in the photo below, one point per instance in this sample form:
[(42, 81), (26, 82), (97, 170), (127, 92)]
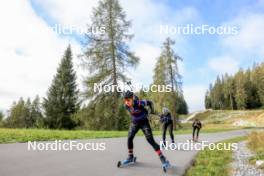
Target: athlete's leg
[(171, 132), (194, 128), (148, 134), (164, 129), (131, 134), (197, 134)]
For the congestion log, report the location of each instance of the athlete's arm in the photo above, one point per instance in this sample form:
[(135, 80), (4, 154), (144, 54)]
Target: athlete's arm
[(147, 103), (150, 105)]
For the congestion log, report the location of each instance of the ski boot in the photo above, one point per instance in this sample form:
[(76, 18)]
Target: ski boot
[(164, 144), (130, 160), (165, 163)]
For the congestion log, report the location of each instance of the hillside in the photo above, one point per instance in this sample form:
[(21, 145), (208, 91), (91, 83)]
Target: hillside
[(236, 118)]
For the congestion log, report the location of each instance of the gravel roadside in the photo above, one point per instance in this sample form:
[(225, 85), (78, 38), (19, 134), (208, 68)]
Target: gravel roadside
[(240, 165)]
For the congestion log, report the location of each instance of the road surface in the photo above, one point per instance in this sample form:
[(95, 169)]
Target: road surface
[(16, 160)]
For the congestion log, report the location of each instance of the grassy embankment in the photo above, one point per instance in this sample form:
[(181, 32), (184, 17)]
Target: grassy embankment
[(213, 162), (217, 162), (230, 118), (256, 144)]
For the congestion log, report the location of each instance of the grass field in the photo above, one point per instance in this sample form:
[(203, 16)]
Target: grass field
[(213, 162), (23, 135), (256, 144)]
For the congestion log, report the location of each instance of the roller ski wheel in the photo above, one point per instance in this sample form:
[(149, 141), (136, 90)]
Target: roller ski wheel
[(126, 162), (166, 166)]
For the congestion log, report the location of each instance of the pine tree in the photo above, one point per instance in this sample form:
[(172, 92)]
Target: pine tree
[(159, 78), (240, 95), (1, 116), (259, 77), (107, 56), (182, 107), (62, 97), (36, 113), (208, 101), (29, 121), (217, 94), (166, 73), (256, 86), (18, 115), (244, 90), (228, 92)]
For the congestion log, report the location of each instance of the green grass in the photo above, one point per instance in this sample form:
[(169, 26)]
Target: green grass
[(213, 162), (23, 135), (256, 144)]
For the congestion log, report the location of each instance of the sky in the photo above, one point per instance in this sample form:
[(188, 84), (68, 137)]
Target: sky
[(30, 52)]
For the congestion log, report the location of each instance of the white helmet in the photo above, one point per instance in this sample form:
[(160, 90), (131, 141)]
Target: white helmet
[(165, 110)]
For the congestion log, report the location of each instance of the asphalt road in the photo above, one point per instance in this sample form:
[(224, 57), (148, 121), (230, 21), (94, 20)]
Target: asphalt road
[(17, 160)]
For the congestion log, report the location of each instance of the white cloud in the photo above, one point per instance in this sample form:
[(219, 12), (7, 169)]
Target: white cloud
[(244, 48), (29, 53), (144, 72), (194, 96), (69, 12), (222, 65), (250, 38), (147, 16)]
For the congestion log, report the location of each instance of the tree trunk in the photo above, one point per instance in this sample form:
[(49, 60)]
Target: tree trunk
[(113, 50)]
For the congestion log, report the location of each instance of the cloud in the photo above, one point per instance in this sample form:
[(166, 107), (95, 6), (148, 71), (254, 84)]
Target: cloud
[(29, 53), (144, 72), (238, 50), (224, 64), (147, 16), (194, 96), (250, 38), (68, 12)]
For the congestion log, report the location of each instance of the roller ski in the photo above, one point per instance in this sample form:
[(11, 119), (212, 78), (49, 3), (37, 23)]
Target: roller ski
[(196, 140), (129, 161), (165, 164), (193, 140)]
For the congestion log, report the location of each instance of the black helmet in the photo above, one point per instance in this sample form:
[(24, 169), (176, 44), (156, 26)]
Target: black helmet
[(128, 94)]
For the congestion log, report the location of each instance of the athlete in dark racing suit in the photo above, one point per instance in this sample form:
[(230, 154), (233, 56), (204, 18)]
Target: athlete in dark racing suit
[(167, 123), (197, 125), (139, 113)]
